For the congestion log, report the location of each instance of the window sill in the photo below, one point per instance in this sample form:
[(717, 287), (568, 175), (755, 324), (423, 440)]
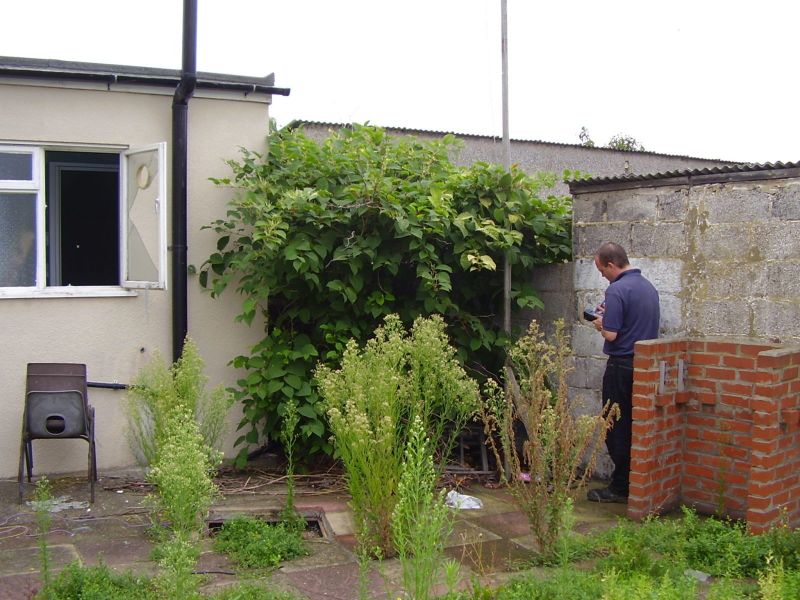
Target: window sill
[(88, 291)]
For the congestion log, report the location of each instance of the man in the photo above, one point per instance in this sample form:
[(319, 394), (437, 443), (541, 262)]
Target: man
[(629, 314)]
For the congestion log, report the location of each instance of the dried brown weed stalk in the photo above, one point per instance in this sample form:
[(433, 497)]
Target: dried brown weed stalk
[(545, 471)]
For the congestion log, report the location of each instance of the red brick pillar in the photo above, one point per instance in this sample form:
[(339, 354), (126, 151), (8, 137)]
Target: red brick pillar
[(774, 489), (656, 450)]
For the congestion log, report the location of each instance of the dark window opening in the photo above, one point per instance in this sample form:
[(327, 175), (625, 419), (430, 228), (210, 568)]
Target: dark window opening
[(82, 217)]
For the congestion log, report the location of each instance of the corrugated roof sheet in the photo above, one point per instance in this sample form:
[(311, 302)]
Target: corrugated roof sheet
[(299, 122), (688, 176)]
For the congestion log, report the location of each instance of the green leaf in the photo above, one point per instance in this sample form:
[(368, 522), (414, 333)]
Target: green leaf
[(307, 411)]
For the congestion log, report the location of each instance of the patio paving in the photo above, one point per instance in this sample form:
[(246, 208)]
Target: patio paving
[(113, 530)]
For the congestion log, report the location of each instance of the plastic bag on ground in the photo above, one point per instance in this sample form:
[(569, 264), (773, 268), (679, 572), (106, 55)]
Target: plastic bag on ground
[(455, 500)]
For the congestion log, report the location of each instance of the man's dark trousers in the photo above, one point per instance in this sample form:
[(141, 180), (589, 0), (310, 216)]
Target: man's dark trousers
[(618, 388)]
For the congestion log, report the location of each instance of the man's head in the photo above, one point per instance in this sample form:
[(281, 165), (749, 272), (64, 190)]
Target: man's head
[(611, 259)]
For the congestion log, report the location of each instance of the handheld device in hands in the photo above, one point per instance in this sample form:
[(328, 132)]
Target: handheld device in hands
[(589, 314)]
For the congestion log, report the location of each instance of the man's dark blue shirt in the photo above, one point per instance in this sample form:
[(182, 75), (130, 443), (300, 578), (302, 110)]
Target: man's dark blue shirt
[(632, 311)]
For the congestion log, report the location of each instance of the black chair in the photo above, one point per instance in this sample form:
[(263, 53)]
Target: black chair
[(56, 407)]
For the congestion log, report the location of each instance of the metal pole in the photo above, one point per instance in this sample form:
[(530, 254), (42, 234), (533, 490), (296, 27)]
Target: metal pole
[(506, 157)]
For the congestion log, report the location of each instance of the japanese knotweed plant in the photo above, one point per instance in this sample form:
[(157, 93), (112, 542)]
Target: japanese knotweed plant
[(325, 238), (371, 400), (545, 471)]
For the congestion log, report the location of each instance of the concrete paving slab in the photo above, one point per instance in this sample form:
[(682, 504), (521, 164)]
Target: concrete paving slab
[(321, 553), (27, 560)]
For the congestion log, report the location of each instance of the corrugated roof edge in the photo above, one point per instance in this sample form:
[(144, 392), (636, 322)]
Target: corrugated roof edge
[(742, 171), (299, 122), (12, 66)]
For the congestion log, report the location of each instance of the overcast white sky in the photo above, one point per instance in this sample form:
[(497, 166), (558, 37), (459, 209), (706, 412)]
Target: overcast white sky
[(707, 78)]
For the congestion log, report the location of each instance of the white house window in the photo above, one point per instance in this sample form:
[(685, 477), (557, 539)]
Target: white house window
[(81, 222)]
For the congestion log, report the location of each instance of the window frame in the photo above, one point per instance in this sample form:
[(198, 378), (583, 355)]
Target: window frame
[(37, 185)]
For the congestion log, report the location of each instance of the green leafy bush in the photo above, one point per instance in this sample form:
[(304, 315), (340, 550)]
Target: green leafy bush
[(327, 238), (254, 543)]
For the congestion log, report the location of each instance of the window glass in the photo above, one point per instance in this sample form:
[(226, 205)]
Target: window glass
[(18, 241), (145, 217), (15, 166)]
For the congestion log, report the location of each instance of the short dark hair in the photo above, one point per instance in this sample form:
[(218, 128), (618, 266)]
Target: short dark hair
[(609, 252)]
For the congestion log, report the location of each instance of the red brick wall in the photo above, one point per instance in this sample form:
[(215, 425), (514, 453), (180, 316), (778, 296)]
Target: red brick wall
[(716, 425)]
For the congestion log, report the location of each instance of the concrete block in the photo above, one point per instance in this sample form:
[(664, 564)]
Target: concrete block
[(733, 279), (778, 240), (720, 318), (632, 206), (786, 202), (777, 321), (586, 341), (671, 205), (553, 278), (588, 208), (736, 203), (658, 240), (724, 241), (587, 299), (584, 402), (782, 280), (663, 273), (587, 277), (587, 238), (671, 314), (587, 373)]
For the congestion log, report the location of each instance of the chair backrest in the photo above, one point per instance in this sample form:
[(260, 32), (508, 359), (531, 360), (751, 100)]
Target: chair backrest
[(56, 414), (56, 404), (46, 377)]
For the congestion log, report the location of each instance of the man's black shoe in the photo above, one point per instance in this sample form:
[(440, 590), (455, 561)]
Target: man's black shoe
[(606, 495)]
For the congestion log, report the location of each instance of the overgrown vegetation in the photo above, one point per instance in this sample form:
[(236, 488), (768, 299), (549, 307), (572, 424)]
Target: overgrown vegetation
[(255, 544), (668, 559), (327, 238), (159, 388), (182, 464), (545, 470), (372, 399), (78, 582)]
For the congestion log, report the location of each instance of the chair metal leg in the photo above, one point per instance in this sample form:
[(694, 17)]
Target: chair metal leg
[(20, 484), (29, 458), (92, 471)]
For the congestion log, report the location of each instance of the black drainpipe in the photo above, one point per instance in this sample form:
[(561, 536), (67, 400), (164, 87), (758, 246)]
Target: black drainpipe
[(180, 164)]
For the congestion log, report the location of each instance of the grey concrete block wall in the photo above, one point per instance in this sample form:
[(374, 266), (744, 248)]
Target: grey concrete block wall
[(724, 255), (712, 250)]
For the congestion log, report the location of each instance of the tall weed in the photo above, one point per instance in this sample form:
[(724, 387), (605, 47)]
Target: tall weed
[(545, 471), (159, 387), (42, 503), (370, 402), (421, 521)]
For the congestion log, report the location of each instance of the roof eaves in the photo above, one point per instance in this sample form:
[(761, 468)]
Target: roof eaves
[(79, 71)]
